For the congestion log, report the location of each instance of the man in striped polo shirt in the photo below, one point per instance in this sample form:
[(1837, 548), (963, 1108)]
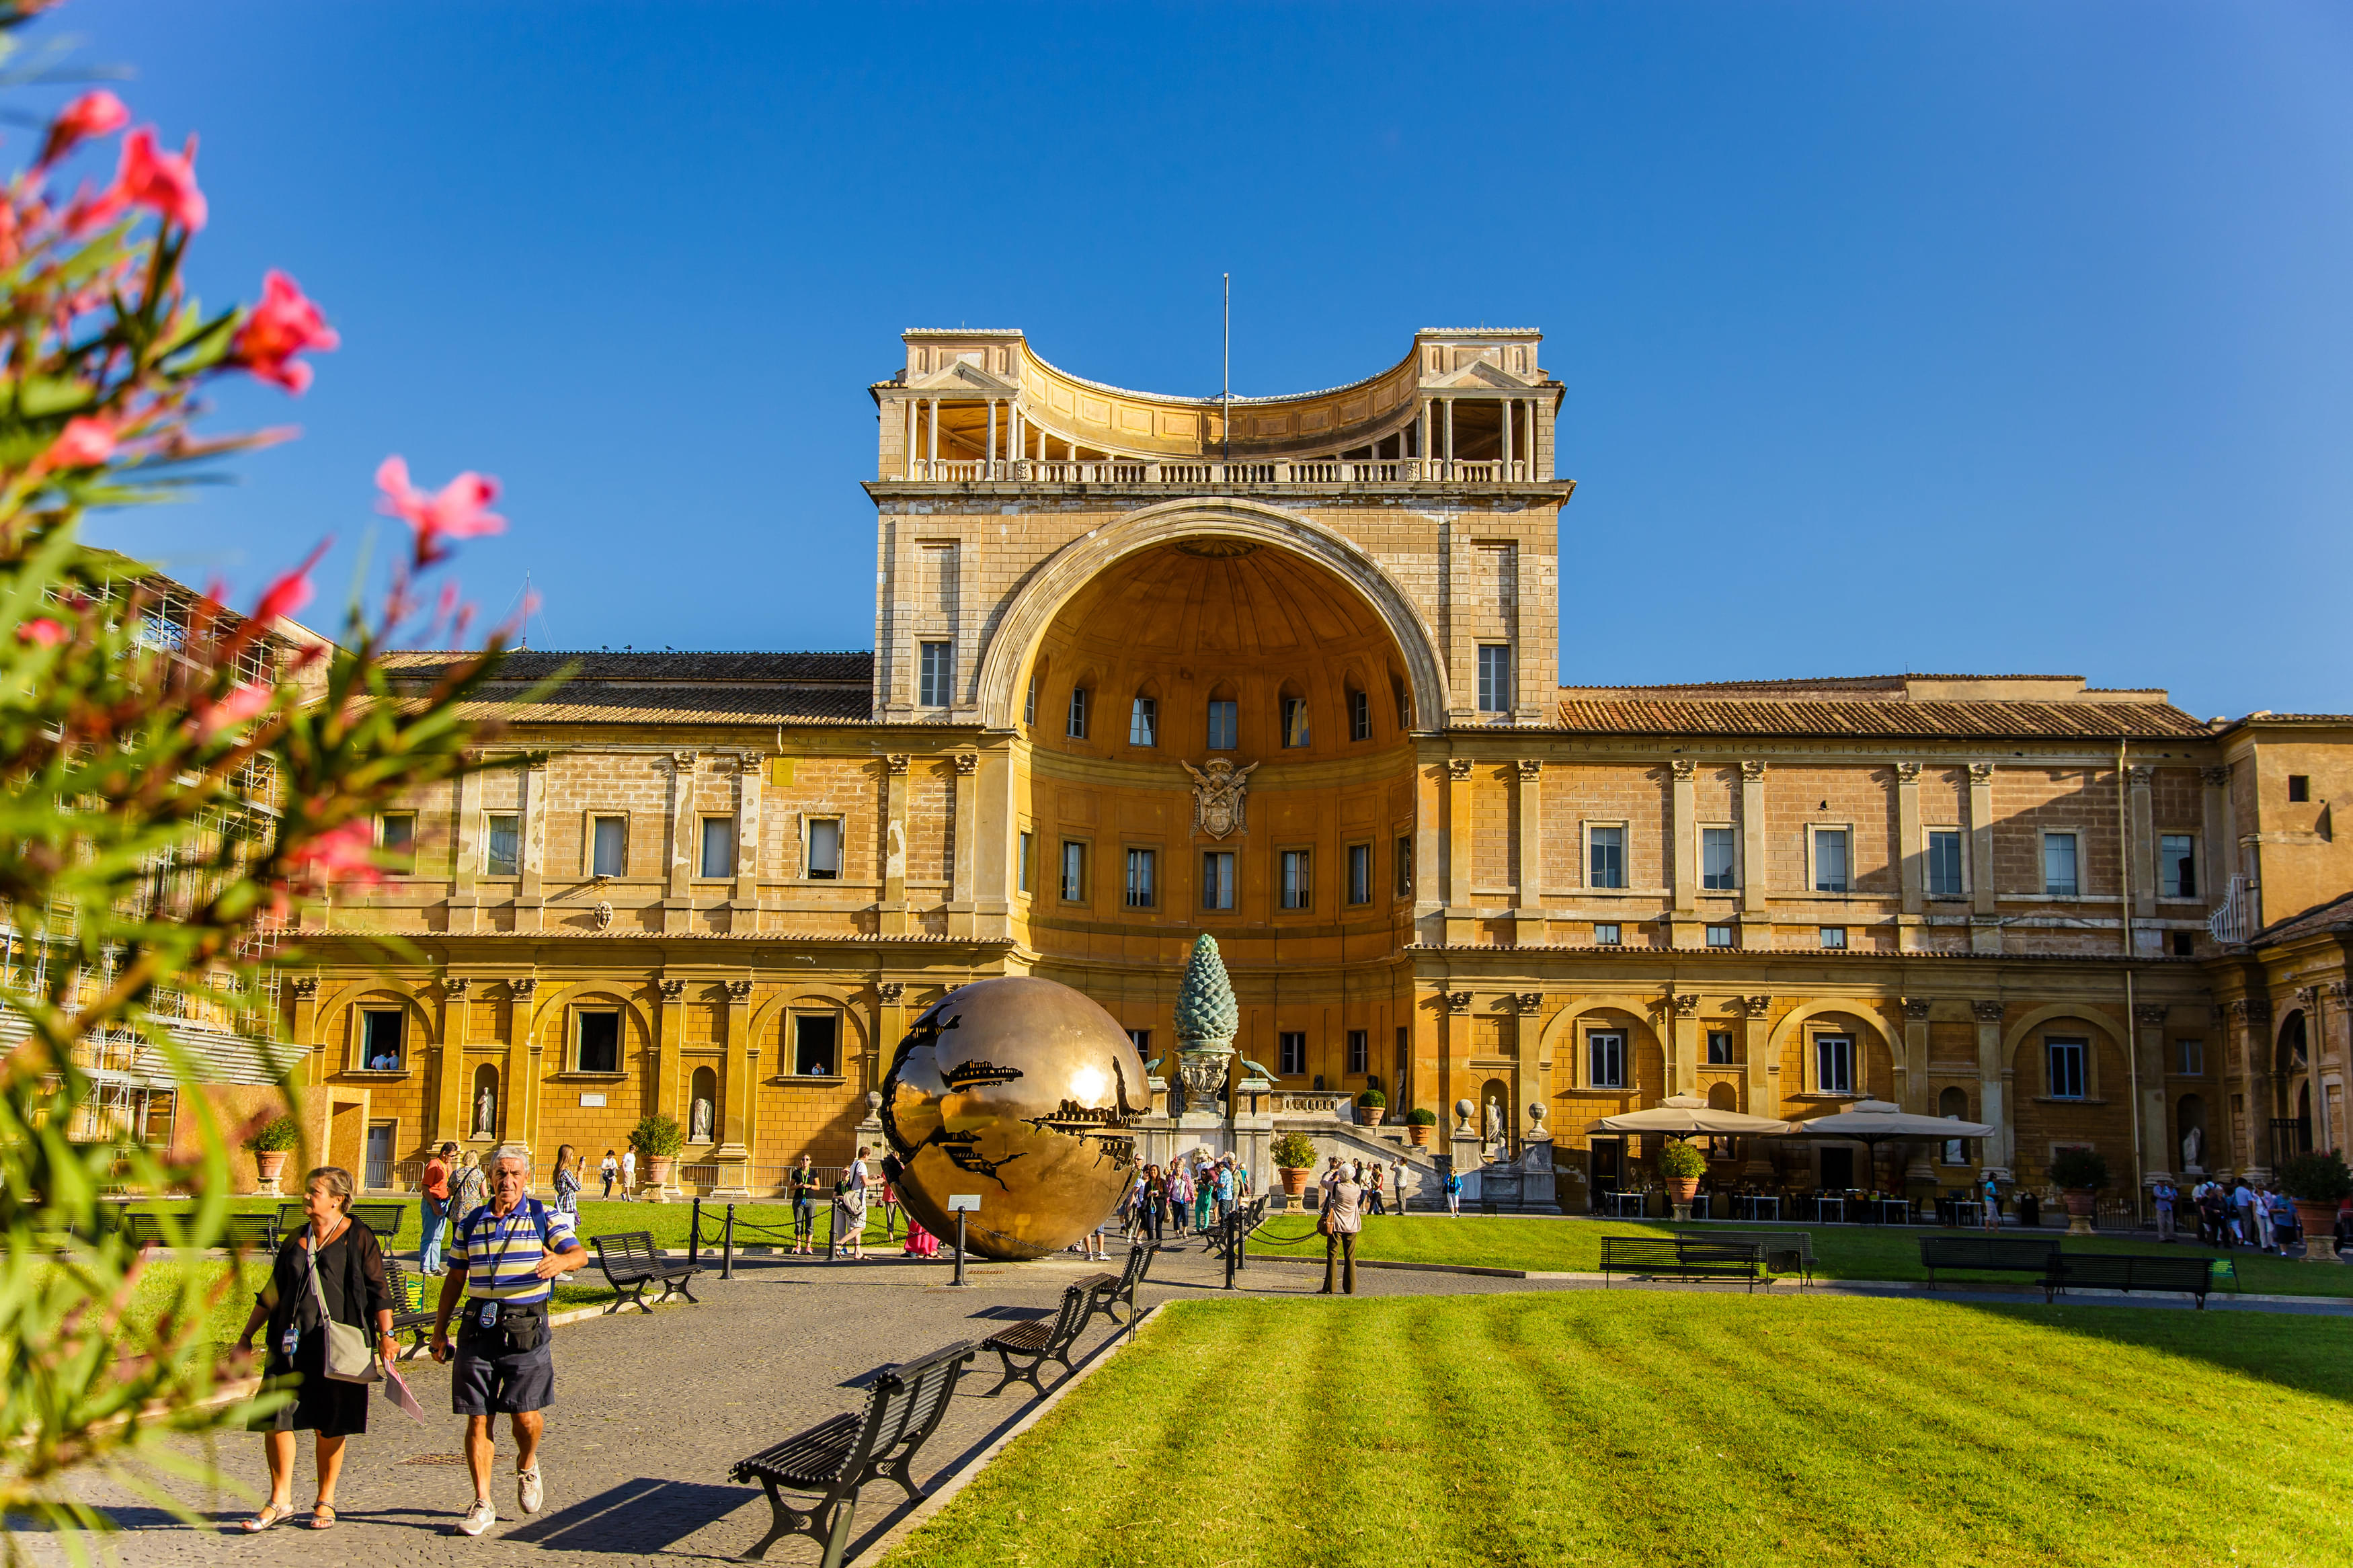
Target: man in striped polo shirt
[(503, 1260)]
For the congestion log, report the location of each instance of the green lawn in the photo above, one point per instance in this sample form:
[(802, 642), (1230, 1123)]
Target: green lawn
[(159, 1285), (667, 1222), (1688, 1429), (1841, 1251)]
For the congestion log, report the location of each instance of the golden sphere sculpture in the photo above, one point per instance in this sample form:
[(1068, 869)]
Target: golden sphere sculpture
[(1023, 1091)]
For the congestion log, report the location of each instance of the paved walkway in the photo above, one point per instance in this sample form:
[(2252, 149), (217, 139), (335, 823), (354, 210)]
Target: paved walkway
[(652, 1411)]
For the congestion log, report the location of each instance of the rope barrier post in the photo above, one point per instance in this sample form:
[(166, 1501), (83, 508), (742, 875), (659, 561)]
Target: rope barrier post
[(727, 1245), (959, 1266), (694, 1231), (1233, 1224), (832, 1226)]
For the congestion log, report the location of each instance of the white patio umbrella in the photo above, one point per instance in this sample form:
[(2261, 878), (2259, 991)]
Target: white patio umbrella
[(1874, 1121), (1688, 1116)]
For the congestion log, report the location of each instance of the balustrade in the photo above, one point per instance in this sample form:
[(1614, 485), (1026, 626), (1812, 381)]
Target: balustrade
[(1194, 474)]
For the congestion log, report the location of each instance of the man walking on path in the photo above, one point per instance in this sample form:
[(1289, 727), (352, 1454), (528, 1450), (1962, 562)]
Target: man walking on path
[(1343, 1217), (435, 1208), (502, 1264), (629, 1173)]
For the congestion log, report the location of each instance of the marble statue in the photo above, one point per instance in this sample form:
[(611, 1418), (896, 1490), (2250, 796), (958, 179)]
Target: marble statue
[(2193, 1142), (1498, 1129), (699, 1122), (486, 1113)]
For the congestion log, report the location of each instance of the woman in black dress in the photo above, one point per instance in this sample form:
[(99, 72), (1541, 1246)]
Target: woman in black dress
[(351, 1276)]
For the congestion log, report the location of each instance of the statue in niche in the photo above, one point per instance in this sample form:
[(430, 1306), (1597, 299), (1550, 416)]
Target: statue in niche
[(699, 1122), (486, 1113), (2193, 1142), (1498, 1130)]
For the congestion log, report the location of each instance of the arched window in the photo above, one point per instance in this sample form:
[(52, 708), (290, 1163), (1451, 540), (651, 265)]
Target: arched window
[(1360, 713), (1143, 720), (1076, 729), (1293, 715)]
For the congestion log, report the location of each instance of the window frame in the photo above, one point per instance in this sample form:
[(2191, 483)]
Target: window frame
[(1148, 856), (1402, 871), (1731, 883), (1815, 833), (597, 821), (1625, 880), (1618, 1038), (1296, 732), (1289, 1047), (1830, 1040), (1730, 1056), (399, 1014), (2190, 1056), (1360, 1052), (489, 843), (1030, 703), (2054, 1049), (576, 1039), (809, 825), (2299, 789), (1495, 677), (2169, 884), (1232, 715), (800, 1015), (1295, 878), (2049, 837), (934, 673), (1609, 933), (1834, 939), (1360, 714), (1359, 881), (1928, 837), (1212, 883), (1143, 714), (702, 872), (1025, 850), (390, 854), (1730, 933), (1074, 724), (1063, 876)]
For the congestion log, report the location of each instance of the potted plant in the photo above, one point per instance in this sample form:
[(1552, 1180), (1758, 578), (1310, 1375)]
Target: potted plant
[(1419, 1122), (1681, 1165), (659, 1139), (2317, 1184), (270, 1143), (2079, 1174), (1372, 1107), (1294, 1155)]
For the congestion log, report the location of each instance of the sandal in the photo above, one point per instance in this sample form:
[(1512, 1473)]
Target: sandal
[(270, 1514), (322, 1516)]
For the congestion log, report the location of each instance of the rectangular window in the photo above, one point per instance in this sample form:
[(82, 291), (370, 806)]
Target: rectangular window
[(502, 853), (2185, 944), (1715, 849), (1943, 867), (931, 678), (1143, 879), (815, 1035), (1297, 893), (396, 836), (1404, 889), (718, 846), (2299, 786), (1290, 1053), (1834, 1063), (1719, 1047), (1719, 936), (1218, 879), (2191, 1055), (1404, 704), (1025, 855), (1360, 715), (380, 1039), (1833, 936), (1606, 855), (1029, 702), (2066, 1058), (1608, 934), (1294, 720), (1495, 677), (1141, 1040), (2177, 863), (1225, 725), (1077, 727), (2059, 864), (1360, 873), (596, 1038), (1144, 723), (608, 847), (825, 848), (1605, 1055), (1360, 1050), (1074, 872), (1829, 860)]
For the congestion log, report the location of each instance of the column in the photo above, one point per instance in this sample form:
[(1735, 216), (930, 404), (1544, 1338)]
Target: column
[(988, 464), (1758, 1077), (1755, 907), (1683, 846), (1530, 925), (2332, 1091), (1994, 1103), (739, 1061), (1907, 838), (2143, 818), (302, 1025), (1450, 437), (907, 452), (2218, 852), (748, 800), (2251, 1046), (1505, 449), (2157, 1155), (1683, 1043), (932, 433), (894, 845), (670, 1031), (1912, 1088), (678, 901), (448, 1117), (961, 901), (1461, 1084), (516, 1101), (1985, 922), (1458, 921), (465, 851), (1421, 433), (890, 1026)]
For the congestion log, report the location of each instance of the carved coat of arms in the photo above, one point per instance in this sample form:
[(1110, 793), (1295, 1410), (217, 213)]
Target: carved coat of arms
[(1217, 793)]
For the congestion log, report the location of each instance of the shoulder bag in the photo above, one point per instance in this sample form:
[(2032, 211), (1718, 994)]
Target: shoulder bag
[(351, 1352)]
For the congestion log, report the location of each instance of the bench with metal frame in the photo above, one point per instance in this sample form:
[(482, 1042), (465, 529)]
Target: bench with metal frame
[(239, 1232), (835, 1457), (416, 1322), (631, 1262), (1034, 1343), (1106, 1291), (1787, 1252), (1987, 1254), (1683, 1257), (2128, 1271), (385, 1219)]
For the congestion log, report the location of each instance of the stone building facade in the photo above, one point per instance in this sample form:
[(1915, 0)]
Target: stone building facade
[(716, 886)]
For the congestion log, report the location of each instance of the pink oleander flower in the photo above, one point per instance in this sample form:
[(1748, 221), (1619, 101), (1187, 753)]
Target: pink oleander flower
[(147, 178), (242, 703), (290, 593), (284, 324), (456, 512), (343, 854), (43, 632), (87, 441), (98, 113)]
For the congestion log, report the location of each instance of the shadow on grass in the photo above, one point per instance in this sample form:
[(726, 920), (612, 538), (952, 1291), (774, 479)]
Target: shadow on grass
[(2308, 1352)]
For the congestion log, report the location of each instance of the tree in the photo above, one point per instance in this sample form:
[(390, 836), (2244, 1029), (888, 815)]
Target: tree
[(180, 786)]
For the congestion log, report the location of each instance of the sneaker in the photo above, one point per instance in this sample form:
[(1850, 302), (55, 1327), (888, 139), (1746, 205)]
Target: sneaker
[(479, 1517), (528, 1489)]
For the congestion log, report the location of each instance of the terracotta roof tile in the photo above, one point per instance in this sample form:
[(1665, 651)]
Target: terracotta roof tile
[(598, 703), (669, 668), (1906, 720)]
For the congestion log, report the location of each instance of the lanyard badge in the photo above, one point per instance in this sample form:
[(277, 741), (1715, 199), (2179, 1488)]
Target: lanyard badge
[(488, 1316)]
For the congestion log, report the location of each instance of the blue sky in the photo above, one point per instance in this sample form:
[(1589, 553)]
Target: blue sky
[(1958, 338)]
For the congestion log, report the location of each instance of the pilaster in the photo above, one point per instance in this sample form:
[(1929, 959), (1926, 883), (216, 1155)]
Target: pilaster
[(1461, 926), (1529, 927), (1682, 846), (1682, 1042), (1759, 1076), (1912, 1082), (749, 795), (961, 889), (2250, 1042), (677, 906), (740, 1060), (669, 1032), (1994, 1085), (1985, 920), (2140, 797), (446, 1119), (1910, 858), (894, 845), (1528, 1073), (519, 1079), (1756, 907), (2156, 1154)]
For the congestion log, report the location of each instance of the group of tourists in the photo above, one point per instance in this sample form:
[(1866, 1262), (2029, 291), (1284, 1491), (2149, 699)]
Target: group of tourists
[(1190, 1194), (2239, 1214), (327, 1310), (853, 1188)]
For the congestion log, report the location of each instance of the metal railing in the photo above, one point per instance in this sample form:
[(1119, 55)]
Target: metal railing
[(2228, 923), (1192, 474)]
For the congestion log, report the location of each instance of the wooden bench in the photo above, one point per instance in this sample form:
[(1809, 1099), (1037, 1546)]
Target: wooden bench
[(1106, 1291), (1787, 1252), (385, 1219), (1682, 1258), (414, 1321), (631, 1262), (833, 1458), (1987, 1254), (1039, 1341), (2128, 1271), (239, 1232)]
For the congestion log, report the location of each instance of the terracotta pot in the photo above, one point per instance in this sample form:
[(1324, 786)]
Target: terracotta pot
[(1418, 1134), (1373, 1115), (2081, 1202), (1294, 1181), (1684, 1188), (658, 1167), (2319, 1223), (271, 1162)]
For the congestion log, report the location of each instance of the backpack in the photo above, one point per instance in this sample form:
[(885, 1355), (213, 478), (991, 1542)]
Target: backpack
[(1453, 1183)]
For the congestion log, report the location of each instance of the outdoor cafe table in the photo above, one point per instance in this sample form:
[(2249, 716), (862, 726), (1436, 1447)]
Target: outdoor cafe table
[(1830, 1211), (1753, 1204), (1618, 1202), (1901, 1208), (1967, 1211)]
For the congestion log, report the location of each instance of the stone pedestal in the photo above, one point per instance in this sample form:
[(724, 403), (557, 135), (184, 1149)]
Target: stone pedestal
[(734, 1163)]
